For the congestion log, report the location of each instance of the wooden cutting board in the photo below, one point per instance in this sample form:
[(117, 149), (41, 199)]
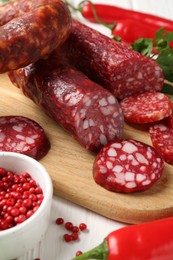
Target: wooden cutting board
[(70, 167)]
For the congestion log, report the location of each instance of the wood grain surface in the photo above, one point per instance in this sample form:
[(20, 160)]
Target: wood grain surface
[(70, 167)]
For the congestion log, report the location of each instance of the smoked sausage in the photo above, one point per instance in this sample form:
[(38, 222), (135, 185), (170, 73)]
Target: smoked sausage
[(123, 71), (30, 30), (82, 107)]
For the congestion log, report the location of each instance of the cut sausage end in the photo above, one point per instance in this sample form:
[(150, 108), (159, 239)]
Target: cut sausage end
[(99, 120), (123, 71), (135, 75)]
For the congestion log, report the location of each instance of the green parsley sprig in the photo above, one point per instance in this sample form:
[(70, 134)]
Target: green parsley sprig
[(161, 51)]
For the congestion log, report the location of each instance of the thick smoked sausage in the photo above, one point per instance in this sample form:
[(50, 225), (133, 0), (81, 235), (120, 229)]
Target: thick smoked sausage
[(91, 113), (30, 30), (115, 66)]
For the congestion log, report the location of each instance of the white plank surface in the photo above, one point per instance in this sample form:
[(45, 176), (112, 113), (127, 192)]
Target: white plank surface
[(52, 247)]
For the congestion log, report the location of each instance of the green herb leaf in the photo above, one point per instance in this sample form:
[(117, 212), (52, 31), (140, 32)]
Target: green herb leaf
[(159, 34), (144, 46), (165, 60), (168, 89), (117, 39), (160, 50)]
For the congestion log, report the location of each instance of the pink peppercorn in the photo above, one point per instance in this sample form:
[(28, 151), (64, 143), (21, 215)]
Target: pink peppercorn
[(20, 197)]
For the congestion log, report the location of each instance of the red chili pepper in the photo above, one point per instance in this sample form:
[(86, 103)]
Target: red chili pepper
[(127, 24), (130, 31), (110, 14), (151, 241)]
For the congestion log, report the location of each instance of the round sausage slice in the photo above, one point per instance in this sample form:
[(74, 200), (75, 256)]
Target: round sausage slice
[(146, 107), (161, 135), (23, 135), (127, 166)]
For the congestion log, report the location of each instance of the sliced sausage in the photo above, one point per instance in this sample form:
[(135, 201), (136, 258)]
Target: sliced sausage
[(127, 166), (161, 135), (23, 135), (146, 107), (30, 30), (123, 71), (88, 111)]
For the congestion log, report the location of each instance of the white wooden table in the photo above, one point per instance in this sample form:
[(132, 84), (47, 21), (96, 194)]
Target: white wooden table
[(53, 247)]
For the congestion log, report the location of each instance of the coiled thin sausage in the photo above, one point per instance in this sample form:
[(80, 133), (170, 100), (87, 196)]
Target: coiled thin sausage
[(30, 30)]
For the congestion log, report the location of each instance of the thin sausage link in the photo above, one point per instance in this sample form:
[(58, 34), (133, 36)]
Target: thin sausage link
[(18, 8), (30, 30)]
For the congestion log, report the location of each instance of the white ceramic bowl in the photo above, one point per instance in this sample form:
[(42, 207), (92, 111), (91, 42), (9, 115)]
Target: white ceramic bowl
[(17, 240)]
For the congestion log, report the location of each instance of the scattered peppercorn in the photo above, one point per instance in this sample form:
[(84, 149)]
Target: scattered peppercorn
[(75, 229), (59, 221), (67, 238), (82, 226), (75, 236), (79, 253), (68, 225)]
